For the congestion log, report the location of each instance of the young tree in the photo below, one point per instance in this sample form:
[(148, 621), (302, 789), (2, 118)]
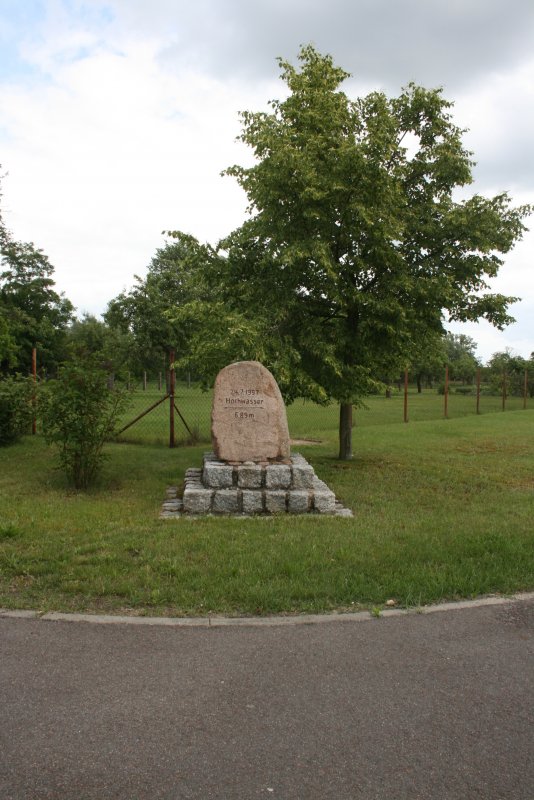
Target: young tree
[(80, 412), (355, 246)]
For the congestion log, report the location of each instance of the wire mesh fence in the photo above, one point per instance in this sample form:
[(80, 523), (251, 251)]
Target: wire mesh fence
[(163, 410), (148, 414)]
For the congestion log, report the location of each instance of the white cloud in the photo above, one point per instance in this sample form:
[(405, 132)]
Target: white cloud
[(498, 112), (119, 116), (109, 156)]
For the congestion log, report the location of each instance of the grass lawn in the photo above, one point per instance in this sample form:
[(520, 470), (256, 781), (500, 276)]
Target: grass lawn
[(443, 509)]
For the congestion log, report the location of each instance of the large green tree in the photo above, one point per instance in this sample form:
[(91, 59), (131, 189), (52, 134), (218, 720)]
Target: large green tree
[(176, 275), (461, 358), (510, 367), (356, 248), (32, 312)]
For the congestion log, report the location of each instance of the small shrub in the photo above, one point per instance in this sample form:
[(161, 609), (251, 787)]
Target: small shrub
[(80, 412), (464, 390), (15, 408)]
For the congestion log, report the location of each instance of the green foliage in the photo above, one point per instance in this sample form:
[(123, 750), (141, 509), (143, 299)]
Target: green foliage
[(32, 313), (15, 408), (506, 366), (461, 358), (428, 357), (147, 313), (79, 412), (355, 245), (464, 390), (89, 337), (36, 314)]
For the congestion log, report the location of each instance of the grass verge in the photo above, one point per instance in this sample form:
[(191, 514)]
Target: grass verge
[(443, 510)]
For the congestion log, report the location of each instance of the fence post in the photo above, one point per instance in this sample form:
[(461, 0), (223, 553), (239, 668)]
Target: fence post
[(34, 396), (406, 395), (171, 398), (525, 389), (144, 380), (446, 393), (478, 390)]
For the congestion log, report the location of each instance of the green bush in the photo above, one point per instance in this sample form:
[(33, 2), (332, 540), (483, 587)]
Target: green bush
[(79, 412), (464, 390), (15, 408)]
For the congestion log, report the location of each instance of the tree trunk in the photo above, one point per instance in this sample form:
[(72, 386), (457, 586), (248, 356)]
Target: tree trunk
[(345, 431), (419, 385)]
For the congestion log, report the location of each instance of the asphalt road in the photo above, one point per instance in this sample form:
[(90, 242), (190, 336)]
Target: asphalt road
[(437, 707)]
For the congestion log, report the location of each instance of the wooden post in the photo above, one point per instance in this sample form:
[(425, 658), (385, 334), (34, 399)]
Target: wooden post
[(478, 390), (406, 395), (171, 398), (345, 431), (144, 380), (525, 389), (504, 391), (34, 396), (446, 393)]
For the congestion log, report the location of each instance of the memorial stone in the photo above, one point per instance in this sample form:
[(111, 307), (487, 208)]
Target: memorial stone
[(251, 470), (248, 418)]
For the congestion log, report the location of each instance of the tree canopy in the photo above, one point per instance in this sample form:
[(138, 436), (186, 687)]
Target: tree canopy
[(357, 247), (176, 276), (32, 313)]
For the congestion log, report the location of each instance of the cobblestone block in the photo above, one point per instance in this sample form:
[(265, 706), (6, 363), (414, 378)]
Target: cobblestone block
[(298, 501), (226, 501), (252, 488), (252, 501), (172, 505), (277, 476), (197, 500), (217, 475), (343, 512), (249, 476), (275, 501), (298, 458), (302, 475), (324, 501)]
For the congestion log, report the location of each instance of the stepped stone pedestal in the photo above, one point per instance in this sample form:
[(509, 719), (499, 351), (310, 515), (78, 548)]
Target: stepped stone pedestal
[(251, 470), (253, 488)]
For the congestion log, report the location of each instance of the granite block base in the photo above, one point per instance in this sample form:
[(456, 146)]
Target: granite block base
[(252, 489)]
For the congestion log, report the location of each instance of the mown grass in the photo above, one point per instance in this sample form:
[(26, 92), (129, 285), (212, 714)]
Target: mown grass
[(443, 509)]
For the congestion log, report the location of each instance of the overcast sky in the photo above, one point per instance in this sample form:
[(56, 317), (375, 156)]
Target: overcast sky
[(117, 117)]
